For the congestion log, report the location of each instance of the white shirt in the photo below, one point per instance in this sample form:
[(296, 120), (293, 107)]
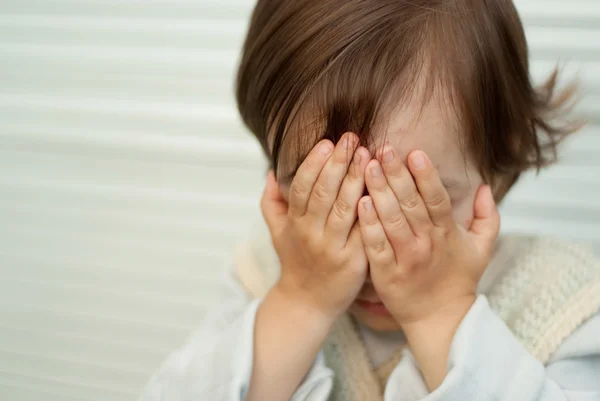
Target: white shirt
[(486, 362)]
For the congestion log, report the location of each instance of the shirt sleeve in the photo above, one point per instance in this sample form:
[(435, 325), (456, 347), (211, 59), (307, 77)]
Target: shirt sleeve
[(487, 363), (216, 362)]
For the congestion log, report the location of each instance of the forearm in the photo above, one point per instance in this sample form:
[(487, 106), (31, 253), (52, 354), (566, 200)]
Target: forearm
[(430, 340), (486, 362), (288, 336)]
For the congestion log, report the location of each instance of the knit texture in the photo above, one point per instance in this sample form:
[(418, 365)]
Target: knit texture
[(551, 288), (546, 289)]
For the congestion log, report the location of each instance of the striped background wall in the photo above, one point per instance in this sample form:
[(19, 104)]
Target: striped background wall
[(126, 177)]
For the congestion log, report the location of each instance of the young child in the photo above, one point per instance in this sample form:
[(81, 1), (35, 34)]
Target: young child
[(393, 129)]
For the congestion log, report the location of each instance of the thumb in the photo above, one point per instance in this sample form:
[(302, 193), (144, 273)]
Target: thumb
[(273, 206), (486, 223)]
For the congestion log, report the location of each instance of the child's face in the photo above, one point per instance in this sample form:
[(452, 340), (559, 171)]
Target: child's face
[(433, 134)]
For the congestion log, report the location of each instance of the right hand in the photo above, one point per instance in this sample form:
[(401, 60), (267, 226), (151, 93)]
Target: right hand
[(316, 234)]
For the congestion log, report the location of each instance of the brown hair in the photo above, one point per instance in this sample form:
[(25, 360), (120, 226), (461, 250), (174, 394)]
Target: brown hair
[(319, 68)]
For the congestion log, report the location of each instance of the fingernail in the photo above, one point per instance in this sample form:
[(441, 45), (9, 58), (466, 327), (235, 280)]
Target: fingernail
[(418, 160), (325, 148), (376, 170), (388, 154), (368, 205), (357, 158)]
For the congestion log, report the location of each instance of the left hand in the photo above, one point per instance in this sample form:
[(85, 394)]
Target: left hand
[(420, 259)]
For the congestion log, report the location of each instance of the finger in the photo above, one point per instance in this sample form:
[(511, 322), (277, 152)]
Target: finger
[(431, 189), (486, 222), (306, 176), (386, 205), (377, 246), (330, 179), (273, 206), (403, 186), (355, 237), (345, 208)]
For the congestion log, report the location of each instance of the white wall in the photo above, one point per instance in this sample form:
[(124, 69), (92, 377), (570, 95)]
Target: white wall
[(126, 177)]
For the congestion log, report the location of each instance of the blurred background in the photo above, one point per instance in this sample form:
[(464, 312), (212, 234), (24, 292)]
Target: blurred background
[(126, 177)]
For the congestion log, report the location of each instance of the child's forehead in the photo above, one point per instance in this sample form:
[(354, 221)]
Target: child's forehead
[(430, 127)]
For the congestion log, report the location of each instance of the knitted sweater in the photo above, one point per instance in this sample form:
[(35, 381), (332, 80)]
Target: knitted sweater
[(547, 289)]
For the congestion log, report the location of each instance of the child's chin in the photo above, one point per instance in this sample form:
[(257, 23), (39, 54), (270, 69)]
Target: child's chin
[(374, 322)]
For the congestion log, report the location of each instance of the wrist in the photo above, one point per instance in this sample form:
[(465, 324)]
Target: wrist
[(430, 339), (446, 318), (302, 308), (288, 335)]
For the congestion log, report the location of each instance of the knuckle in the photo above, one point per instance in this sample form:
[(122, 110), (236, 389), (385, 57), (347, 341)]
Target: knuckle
[(341, 208), (436, 201), (425, 246), (411, 201), (397, 222), (297, 191), (304, 229), (440, 234), (379, 248), (298, 224), (422, 253), (384, 258), (403, 275), (299, 229), (320, 193), (426, 226), (314, 243)]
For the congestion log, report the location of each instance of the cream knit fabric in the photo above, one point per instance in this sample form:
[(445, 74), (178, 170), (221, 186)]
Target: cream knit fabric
[(546, 290), (549, 289)]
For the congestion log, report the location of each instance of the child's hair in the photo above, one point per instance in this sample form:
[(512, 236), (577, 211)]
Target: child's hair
[(320, 68)]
